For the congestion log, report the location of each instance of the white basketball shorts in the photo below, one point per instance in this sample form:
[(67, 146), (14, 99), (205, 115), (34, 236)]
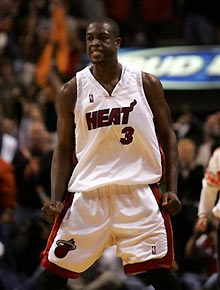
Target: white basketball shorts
[(130, 217)]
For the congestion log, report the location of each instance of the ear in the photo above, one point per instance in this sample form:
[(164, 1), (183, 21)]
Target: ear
[(118, 42)]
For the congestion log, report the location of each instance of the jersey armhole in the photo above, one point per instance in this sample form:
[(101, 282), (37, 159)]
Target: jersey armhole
[(143, 95), (78, 99)]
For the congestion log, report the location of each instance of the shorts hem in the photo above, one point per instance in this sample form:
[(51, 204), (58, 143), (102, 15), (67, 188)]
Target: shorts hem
[(57, 270)]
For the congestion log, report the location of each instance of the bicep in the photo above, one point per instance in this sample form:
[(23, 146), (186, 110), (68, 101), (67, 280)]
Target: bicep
[(65, 118), (160, 109), (65, 131)]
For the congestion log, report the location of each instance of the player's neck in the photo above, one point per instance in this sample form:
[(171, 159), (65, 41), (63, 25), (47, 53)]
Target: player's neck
[(105, 73)]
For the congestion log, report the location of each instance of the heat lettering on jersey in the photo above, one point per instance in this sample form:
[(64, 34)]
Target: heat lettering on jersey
[(108, 117)]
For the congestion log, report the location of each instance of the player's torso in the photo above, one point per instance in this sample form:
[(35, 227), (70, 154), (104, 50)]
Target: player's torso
[(115, 133)]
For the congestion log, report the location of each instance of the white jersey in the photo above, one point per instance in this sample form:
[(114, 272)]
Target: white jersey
[(116, 141), (211, 187)]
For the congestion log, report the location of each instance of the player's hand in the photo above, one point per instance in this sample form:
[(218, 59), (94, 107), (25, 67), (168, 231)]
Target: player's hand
[(171, 202), (201, 224), (51, 210)]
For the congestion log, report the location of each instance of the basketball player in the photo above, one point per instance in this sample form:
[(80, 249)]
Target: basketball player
[(120, 119)]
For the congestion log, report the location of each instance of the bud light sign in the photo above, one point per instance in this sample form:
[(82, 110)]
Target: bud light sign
[(184, 67)]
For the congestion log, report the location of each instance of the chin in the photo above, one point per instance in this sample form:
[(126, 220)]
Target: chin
[(96, 60)]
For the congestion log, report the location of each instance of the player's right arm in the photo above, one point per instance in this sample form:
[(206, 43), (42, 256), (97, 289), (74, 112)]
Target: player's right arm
[(62, 162)]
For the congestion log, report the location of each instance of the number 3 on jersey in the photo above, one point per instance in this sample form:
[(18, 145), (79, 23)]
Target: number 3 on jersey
[(128, 137)]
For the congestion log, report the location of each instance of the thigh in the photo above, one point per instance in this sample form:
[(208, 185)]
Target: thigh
[(142, 229), (83, 233)]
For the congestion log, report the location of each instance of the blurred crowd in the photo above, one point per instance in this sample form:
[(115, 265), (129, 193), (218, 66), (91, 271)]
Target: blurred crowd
[(42, 46)]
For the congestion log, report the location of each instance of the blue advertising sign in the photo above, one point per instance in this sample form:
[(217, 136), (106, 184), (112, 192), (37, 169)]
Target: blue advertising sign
[(182, 67)]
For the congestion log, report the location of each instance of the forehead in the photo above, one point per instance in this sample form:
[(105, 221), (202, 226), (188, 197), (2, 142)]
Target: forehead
[(97, 27)]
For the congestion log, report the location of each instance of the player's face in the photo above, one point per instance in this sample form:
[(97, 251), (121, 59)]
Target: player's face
[(101, 43)]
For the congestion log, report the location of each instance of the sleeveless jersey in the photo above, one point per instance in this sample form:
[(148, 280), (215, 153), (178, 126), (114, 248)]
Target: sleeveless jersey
[(115, 135)]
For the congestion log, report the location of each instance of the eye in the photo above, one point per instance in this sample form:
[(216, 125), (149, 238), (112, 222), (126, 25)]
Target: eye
[(89, 38), (104, 37)]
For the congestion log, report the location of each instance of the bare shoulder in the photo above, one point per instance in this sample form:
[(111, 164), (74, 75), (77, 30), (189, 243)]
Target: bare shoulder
[(151, 82), (153, 88), (150, 78), (66, 99)]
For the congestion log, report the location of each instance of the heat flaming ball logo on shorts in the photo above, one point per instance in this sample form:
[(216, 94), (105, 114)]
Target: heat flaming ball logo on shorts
[(63, 247)]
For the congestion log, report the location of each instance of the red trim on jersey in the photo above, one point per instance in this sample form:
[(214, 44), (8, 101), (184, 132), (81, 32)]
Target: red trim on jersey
[(213, 179), (45, 262), (168, 259)]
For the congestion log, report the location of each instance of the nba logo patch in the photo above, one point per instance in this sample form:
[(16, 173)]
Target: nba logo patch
[(91, 98), (154, 250)]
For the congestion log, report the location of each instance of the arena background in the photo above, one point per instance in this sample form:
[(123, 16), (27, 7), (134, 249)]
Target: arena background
[(42, 46)]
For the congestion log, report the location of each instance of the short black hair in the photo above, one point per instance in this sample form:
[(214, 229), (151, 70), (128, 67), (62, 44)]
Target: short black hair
[(110, 21)]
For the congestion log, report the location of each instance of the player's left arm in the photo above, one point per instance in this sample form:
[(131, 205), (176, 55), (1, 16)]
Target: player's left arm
[(162, 120)]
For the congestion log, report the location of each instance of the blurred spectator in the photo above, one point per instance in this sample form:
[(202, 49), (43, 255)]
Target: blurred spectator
[(27, 164), (57, 40), (8, 10), (76, 49), (8, 202), (62, 49), (31, 113), (8, 189), (200, 251), (43, 178), (189, 188), (31, 239), (7, 259), (19, 270), (211, 138), (9, 87), (8, 126), (27, 36), (8, 143), (188, 126), (46, 100)]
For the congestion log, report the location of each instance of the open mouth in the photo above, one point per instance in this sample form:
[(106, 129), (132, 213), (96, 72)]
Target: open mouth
[(96, 53)]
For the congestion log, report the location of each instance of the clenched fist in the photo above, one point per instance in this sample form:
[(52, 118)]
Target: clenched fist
[(51, 210), (172, 203)]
